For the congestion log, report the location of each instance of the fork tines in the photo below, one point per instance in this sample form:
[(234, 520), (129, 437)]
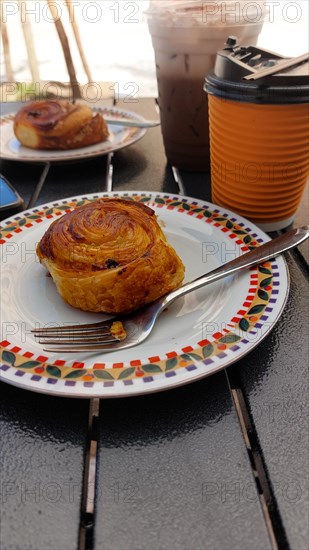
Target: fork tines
[(90, 335), (76, 328)]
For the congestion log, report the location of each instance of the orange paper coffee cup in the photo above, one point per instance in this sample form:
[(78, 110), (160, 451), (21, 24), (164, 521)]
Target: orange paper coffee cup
[(259, 164), (259, 150)]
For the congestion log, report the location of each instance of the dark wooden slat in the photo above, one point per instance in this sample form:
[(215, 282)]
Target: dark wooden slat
[(143, 166), (274, 378), (173, 472), (197, 185), (68, 180), (43, 443)]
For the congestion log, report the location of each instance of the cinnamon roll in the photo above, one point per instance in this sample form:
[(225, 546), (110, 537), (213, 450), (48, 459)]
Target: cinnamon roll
[(110, 255), (58, 124)]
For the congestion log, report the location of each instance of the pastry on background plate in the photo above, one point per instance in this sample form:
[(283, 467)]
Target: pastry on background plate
[(58, 124), (110, 255)]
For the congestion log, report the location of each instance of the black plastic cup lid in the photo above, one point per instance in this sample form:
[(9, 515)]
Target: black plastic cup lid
[(235, 62)]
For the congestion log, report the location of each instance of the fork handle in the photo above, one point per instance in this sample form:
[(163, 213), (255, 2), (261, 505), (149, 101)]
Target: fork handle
[(131, 122), (258, 255)]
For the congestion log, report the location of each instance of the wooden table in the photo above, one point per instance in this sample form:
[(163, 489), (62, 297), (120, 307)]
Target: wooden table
[(218, 464)]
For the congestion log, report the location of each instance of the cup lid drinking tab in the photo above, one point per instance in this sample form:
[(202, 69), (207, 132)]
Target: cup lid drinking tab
[(234, 62)]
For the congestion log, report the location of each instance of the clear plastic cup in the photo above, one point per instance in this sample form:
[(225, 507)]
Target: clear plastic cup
[(186, 36)]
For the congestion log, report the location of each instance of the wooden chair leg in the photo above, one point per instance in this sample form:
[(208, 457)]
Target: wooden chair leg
[(75, 29), (66, 50), (6, 53), (32, 58)]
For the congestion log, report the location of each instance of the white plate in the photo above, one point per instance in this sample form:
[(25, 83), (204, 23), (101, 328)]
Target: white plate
[(200, 333), (11, 148)]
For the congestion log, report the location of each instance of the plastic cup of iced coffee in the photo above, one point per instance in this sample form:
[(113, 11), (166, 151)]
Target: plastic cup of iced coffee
[(186, 35)]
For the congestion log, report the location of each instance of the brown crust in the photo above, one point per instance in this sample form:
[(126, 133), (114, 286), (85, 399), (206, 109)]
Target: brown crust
[(58, 124), (110, 255)]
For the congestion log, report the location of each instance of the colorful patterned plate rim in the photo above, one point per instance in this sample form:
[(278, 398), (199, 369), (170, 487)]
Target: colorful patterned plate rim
[(120, 137), (200, 334)]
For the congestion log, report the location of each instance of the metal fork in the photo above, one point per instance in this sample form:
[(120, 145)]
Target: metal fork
[(138, 325)]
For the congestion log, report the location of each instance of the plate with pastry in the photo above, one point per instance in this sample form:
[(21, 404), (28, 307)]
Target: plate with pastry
[(58, 130), (89, 259)]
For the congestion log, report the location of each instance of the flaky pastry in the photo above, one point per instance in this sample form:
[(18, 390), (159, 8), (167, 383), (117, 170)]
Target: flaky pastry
[(110, 255), (58, 124)]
